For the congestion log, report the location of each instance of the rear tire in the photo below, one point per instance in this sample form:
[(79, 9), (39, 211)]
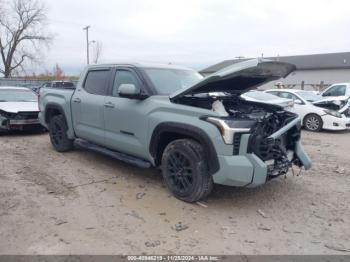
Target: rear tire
[(313, 123), (58, 134), (185, 171)]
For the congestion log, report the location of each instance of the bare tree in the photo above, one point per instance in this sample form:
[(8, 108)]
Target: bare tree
[(22, 33), (97, 52)]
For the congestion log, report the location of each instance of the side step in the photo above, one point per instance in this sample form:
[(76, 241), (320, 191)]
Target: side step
[(81, 143)]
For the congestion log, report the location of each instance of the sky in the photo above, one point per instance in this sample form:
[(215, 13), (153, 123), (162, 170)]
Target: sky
[(194, 33)]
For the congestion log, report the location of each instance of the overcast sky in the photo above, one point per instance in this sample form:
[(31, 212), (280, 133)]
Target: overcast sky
[(195, 33)]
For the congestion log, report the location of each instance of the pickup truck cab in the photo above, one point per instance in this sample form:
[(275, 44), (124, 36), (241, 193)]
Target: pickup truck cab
[(335, 90), (164, 116)]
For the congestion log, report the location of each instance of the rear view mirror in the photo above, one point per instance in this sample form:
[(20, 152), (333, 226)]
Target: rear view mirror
[(128, 90), (298, 102)]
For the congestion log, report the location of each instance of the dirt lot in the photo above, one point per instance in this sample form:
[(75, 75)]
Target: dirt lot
[(81, 202)]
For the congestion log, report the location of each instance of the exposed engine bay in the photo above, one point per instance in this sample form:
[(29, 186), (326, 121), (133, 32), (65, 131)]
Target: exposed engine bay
[(260, 121)]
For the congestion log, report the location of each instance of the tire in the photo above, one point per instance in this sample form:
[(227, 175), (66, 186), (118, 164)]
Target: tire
[(313, 123), (185, 171), (58, 134)]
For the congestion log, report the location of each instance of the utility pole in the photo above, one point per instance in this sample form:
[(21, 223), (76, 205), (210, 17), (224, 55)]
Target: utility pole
[(87, 44)]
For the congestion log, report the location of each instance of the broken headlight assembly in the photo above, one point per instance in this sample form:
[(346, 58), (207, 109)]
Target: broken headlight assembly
[(229, 127), (333, 113), (7, 115)]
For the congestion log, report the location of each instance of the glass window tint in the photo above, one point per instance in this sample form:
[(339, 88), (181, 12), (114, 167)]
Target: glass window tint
[(336, 91), (124, 77), (96, 82)]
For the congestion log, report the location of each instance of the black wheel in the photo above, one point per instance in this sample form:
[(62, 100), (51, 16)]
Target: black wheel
[(58, 134), (313, 123), (185, 171)]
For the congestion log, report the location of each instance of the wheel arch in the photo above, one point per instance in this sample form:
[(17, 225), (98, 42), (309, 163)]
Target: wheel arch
[(167, 132), (53, 109)]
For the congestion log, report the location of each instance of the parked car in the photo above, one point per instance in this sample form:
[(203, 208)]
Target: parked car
[(162, 116), (340, 89), (18, 109), (57, 84), (317, 112), (259, 96)]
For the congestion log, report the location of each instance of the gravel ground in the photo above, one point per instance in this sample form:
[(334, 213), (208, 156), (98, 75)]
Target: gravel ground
[(85, 203)]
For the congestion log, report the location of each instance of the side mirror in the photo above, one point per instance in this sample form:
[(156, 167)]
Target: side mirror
[(298, 102), (129, 91)]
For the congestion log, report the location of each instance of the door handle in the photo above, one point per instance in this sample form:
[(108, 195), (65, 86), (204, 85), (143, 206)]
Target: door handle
[(77, 100), (109, 105)]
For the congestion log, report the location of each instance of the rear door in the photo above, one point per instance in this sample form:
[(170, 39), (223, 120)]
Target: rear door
[(88, 104), (125, 119)]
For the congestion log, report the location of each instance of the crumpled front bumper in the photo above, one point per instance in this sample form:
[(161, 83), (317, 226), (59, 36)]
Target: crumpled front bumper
[(7, 124), (247, 169)]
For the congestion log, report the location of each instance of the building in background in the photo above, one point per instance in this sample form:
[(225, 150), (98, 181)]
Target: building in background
[(314, 72)]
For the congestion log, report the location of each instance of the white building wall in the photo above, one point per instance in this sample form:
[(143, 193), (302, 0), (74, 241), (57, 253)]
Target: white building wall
[(314, 77)]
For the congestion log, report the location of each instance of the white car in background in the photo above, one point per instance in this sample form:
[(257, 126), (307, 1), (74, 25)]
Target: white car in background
[(336, 90), (19, 109), (259, 96), (317, 112)]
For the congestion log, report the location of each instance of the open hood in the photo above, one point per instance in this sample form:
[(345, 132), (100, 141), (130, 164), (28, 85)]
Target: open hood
[(239, 78)]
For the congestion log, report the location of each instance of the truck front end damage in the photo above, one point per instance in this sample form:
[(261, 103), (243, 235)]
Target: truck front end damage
[(266, 135)]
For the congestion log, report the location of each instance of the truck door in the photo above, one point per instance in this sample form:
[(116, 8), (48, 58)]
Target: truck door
[(125, 121), (88, 103)]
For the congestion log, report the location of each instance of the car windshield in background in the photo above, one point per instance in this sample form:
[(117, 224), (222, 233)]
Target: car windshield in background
[(260, 96), (8, 95), (309, 96), (167, 81)]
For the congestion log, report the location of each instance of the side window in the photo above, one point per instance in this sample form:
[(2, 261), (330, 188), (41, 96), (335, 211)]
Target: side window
[(288, 95), (274, 93), (96, 82), (124, 77), (336, 91)]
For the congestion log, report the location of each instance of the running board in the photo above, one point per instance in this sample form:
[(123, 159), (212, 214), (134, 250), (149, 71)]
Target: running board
[(80, 143)]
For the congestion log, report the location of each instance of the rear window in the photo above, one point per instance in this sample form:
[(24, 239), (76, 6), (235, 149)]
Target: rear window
[(64, 85), (96, 82)]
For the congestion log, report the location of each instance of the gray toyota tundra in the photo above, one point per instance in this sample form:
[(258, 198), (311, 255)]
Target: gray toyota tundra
[(199, 131)]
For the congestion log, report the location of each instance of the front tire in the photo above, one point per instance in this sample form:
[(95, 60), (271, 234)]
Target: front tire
[(185, 171), (313, 123), (58, 134)]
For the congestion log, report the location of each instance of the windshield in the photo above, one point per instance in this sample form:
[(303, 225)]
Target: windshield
[(167, 81), (261, 96), (309, 96), (10, 95)]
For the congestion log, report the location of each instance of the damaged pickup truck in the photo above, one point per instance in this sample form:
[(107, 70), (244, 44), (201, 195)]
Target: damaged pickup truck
[(165, 116)]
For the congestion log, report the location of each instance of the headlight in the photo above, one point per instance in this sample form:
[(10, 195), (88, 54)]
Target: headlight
[(228, 128), (333, 113)]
